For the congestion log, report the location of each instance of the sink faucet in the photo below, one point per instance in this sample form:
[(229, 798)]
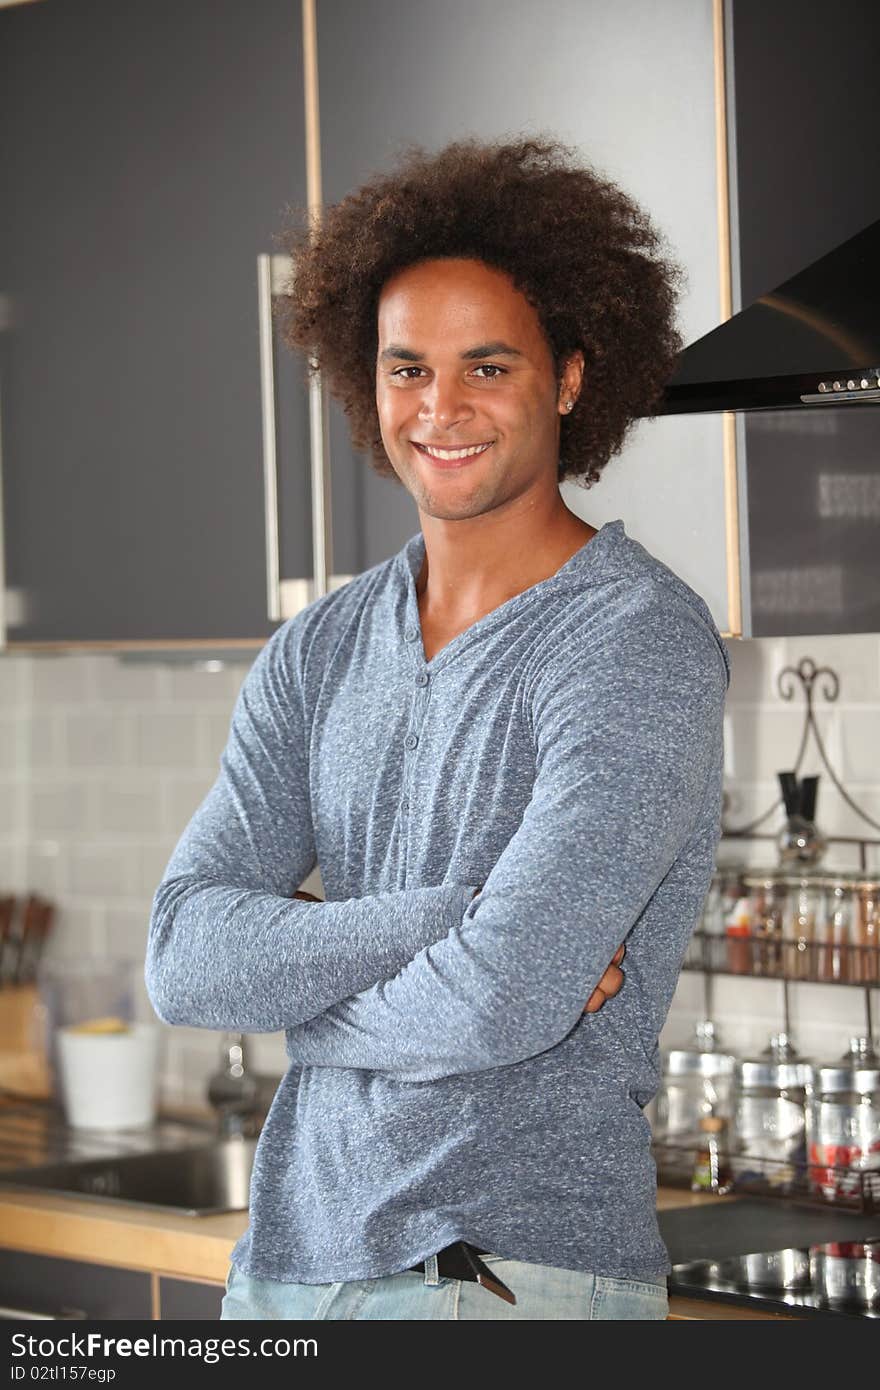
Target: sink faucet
[(234, 1090)]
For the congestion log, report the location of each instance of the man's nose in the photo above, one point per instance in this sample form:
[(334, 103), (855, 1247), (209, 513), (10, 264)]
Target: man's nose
[(444, 403)]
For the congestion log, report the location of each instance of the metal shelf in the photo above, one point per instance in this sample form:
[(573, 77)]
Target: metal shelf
[(811, 1184), (766, 957)]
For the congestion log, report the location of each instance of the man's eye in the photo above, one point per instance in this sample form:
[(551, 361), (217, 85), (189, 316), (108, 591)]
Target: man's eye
[(398, 370), (489, 367)]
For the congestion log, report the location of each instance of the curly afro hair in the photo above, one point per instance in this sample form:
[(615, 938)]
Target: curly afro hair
[(584, 255)]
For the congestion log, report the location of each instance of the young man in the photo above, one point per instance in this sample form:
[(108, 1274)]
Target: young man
[(503, 746)]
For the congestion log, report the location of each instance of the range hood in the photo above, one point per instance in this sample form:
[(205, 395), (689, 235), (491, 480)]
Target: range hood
[(813, 341)]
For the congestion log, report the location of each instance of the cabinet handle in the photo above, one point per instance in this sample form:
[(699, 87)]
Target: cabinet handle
[(273, 277), (268, 268), (3, 633)]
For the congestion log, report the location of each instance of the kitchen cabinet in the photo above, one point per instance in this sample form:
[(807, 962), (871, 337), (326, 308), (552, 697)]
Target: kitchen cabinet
[(632, 88), (41, 1286), (189, 1298), (47, 1287), (801, 95), (146, 155)]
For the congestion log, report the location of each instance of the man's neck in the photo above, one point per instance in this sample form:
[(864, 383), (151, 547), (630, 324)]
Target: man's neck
[(471, 568)]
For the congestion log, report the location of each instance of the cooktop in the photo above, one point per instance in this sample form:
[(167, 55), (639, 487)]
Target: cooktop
[(777, 1255)]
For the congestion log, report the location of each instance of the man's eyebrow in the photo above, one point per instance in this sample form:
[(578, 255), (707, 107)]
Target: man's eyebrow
[(496, 349)]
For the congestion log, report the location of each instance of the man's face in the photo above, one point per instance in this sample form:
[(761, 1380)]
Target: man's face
[(462, 360)]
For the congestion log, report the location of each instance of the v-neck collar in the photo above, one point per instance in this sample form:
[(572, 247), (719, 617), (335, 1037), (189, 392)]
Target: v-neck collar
[(584, 566)]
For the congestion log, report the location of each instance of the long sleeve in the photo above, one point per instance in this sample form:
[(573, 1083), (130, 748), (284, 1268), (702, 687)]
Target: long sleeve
[(228, 947), (628, 734)]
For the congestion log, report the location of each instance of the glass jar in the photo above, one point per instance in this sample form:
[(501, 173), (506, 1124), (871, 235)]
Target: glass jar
[(769, 1100), (865, 956), (836, 927), (766, 891), (802, 910), (696, 1082), (843, 1127)]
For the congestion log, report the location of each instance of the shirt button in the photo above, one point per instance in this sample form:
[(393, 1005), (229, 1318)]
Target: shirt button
[(410, 634), (410, 741), (422, 678)]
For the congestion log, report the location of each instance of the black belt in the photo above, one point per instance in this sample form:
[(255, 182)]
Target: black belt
[(461, 1260)]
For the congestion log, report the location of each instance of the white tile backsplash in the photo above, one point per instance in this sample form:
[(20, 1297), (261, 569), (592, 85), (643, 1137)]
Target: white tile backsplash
[(103, 762), (166, 738)]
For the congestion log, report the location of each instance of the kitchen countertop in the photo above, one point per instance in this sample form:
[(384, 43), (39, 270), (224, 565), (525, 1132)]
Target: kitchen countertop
[(135, 1237), (199, 1247)]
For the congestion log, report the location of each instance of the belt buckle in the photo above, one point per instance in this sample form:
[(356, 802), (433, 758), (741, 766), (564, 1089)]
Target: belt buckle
[(485, 1276)]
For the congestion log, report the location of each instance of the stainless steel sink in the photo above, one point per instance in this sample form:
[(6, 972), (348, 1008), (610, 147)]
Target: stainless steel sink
[(199, 1181)]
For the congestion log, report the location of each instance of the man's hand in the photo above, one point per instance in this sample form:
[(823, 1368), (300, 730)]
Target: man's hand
[(610, 983)]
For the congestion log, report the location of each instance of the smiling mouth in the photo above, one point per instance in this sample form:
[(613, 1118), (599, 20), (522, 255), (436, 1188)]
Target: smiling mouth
[(451, 458)]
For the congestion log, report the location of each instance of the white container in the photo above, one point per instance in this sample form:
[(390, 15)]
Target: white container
[(109, 1080)]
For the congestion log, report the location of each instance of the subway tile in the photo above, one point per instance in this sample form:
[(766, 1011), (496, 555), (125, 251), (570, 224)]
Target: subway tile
[(859, 733), (13, 865), (166, 738), (58, 805), (13, 807), (43, 742), (14, 682), (152, 860), (195, 685), (127, 802), (766, 741), (46, 868), (119, 682), (60, 679), (753, 665), (183, 796), (77, 932), (127, 928), (214, 735), (14, 736), (854, 658), (96, 738), (102, 871)]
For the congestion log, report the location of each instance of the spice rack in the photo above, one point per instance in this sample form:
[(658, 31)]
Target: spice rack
[(805, 922), (807, 1184), (774, 952)]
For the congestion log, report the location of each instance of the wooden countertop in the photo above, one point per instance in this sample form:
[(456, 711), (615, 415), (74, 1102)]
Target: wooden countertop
[(198, 1247)]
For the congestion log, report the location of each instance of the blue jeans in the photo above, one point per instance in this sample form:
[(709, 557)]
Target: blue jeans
[(542, 1292)]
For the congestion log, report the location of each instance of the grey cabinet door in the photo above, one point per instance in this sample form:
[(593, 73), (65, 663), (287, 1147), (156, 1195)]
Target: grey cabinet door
[(186, 1298), (147, 152), (802, 187), (38, 1286), (630, 86)]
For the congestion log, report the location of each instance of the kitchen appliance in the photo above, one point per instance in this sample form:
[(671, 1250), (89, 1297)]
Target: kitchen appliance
[(812, 341), (769, 1253), (839, 1279)]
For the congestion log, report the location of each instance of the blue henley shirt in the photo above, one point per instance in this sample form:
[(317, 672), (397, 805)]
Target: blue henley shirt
[(566, 753)]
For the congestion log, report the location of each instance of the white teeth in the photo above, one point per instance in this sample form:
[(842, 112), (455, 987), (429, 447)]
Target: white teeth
[(454, 453)]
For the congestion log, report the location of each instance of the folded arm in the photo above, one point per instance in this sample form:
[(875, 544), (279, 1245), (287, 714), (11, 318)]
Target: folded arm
[(228, 945), (628, 742)]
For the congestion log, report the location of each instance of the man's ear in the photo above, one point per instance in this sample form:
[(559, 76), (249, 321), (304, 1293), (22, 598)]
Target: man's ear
[(571, 383)]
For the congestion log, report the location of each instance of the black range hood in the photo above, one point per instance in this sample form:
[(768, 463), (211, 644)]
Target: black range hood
[(813, 341)]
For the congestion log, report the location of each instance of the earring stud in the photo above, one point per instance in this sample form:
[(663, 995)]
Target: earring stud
[(569, 404)]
